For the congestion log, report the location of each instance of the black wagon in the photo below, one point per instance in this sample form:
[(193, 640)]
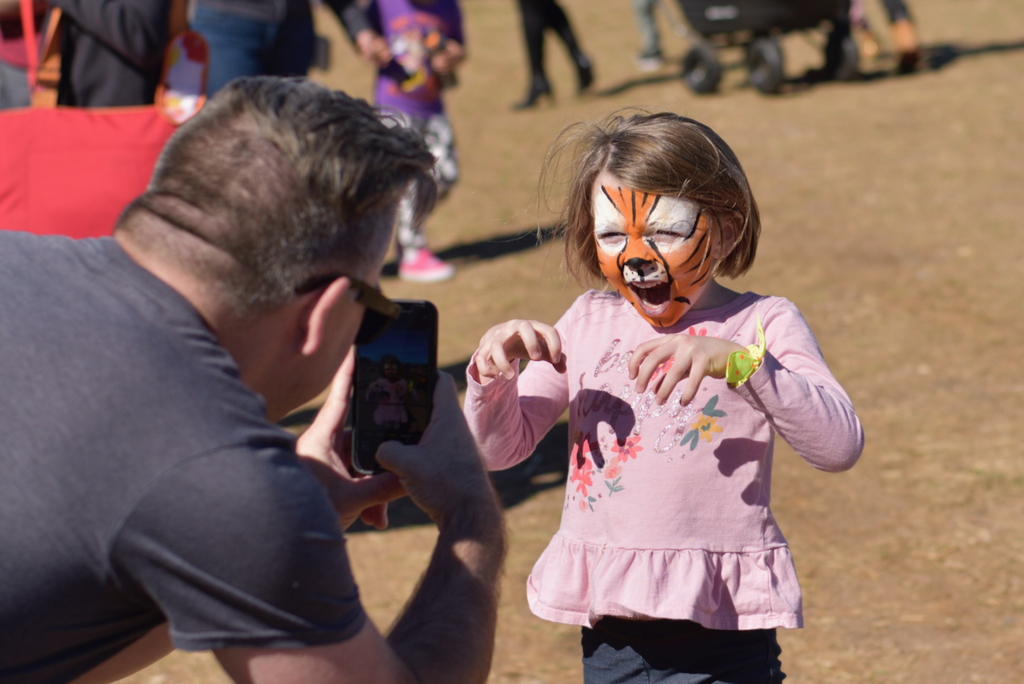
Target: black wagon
[(757, 25)]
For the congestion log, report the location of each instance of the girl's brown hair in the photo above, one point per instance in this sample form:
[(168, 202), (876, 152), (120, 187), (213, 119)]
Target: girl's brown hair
[(660, 153)]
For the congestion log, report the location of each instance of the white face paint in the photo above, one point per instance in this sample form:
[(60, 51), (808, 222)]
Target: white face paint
[(665, 226)]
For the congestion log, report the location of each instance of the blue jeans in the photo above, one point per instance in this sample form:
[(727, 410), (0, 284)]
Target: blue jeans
[(246, 47), (618, 651), (13, 87)]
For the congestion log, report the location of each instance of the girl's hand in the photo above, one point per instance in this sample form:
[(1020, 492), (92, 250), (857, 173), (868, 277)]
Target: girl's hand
[(373, 47), (446, 60), (514, 340), (693, 356)]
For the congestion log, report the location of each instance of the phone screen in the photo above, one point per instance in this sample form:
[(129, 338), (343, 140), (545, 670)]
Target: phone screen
[(394, 384)]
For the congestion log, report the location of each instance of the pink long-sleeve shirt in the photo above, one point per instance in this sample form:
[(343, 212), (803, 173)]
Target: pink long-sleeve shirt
[(666, 512)]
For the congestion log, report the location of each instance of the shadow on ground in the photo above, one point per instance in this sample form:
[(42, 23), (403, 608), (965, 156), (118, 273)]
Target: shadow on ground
[(546, 468)]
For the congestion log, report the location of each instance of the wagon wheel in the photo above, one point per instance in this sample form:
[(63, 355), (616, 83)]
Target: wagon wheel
[(764, 64), (702, 71)]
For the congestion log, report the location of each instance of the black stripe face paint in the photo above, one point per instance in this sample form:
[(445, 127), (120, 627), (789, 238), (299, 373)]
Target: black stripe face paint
[(655, 250)]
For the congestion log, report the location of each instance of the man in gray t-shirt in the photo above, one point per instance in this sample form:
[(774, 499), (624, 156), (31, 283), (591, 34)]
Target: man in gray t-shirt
[(148, 499)]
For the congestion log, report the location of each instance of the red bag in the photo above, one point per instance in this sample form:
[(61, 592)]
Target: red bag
[(70, 170)]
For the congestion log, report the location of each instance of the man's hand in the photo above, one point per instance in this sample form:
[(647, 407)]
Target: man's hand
[(373, 47), (443, 472), (326, 449)]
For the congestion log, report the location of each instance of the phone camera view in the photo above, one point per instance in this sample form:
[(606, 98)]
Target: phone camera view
[(394, 384)]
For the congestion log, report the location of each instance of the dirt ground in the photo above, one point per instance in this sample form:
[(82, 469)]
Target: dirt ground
[(891, 211)]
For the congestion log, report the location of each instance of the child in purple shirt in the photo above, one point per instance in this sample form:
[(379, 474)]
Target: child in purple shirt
[(668, 555), (425, 37)]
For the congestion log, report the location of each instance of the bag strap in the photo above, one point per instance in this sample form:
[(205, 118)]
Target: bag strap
[(28, 30), (44, 70)]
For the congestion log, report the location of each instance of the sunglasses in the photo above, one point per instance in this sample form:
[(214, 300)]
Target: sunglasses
[(379, 311)]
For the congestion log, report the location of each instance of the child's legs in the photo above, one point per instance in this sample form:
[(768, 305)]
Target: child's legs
[(437, 133), (643, 11), (408, 234), (678, 652)]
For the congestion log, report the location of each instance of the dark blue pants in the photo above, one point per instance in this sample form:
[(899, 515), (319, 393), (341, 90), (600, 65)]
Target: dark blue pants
[(618, 651), (240, 46)]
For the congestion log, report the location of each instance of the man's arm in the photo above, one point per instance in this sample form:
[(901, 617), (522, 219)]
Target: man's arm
[(446, 632)]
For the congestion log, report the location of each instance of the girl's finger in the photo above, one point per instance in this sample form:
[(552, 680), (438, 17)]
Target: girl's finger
[(553, 342), (653, 359), (531, 344), (681, 368), (692, 384), (639, 354), (499, 360)]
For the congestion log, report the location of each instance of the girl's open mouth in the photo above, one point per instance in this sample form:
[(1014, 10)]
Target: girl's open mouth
[(652, 296)]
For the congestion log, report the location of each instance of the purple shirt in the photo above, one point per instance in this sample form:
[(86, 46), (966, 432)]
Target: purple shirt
[(412, 30)]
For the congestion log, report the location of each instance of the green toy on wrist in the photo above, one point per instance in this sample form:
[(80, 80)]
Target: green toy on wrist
[(743, 364)]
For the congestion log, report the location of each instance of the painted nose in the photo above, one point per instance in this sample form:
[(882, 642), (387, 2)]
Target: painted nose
[(638, 270), (637, 264)]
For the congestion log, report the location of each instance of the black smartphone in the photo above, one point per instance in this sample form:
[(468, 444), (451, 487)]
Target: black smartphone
[(394, 384)]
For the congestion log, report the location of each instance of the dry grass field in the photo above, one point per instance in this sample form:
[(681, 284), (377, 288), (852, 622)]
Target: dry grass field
[(892, 211)]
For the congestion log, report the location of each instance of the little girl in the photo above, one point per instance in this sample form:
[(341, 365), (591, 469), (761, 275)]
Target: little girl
[(668, 555)]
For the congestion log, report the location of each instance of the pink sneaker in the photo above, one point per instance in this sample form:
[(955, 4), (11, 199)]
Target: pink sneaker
[(425, 268)]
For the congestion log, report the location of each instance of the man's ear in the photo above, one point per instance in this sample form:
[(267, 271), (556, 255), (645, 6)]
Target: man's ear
[(726, 228), (322, 314)]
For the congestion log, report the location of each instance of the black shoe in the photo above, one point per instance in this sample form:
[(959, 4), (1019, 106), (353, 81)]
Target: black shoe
[(539, 87), (584, 72)]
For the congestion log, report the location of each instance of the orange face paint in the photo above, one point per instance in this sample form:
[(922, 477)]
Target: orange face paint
[(655, 250)]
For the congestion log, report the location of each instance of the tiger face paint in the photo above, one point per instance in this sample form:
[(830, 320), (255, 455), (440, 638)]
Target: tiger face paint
[(655, 250)]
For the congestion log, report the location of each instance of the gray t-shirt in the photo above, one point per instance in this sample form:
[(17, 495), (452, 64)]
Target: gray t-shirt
[(140, 480)]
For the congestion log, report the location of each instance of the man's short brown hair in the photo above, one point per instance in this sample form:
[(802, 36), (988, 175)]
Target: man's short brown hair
[(285, 180)]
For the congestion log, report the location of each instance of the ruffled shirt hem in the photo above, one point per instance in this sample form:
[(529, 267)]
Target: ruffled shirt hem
[(577, 583)]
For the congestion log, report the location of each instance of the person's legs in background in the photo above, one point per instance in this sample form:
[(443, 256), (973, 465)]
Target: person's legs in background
[(13, 87), (239, 46), (293, 48), (415, 261), (904, 36), (533, 17), (537, 16), (649, 58), (559, 21)]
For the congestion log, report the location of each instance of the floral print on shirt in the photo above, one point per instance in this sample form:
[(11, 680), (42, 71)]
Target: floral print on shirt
[(604, 458)]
